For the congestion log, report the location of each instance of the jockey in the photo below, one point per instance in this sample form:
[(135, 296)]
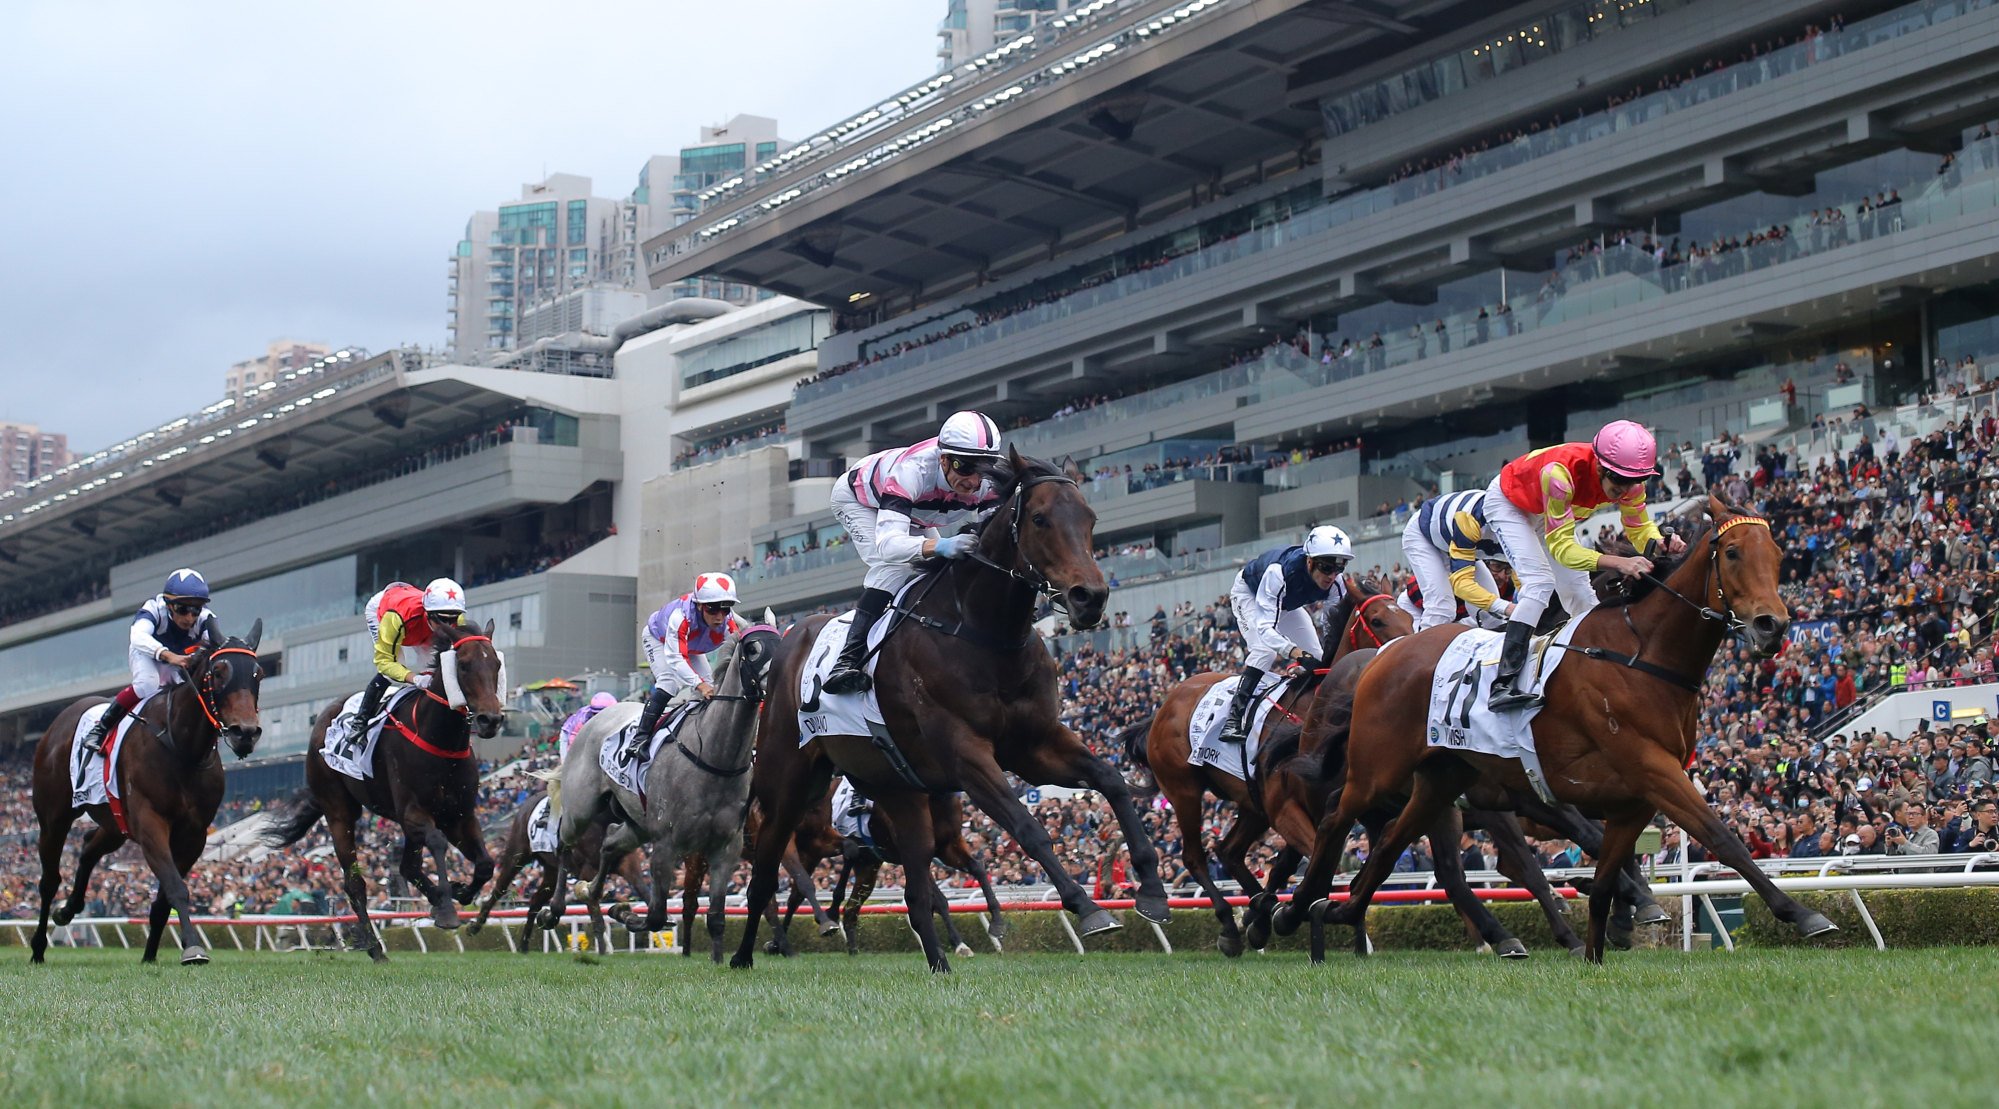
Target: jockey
[(1447, 544), (894, 503), (580, 717), (678, 639), (1269, 599), (165, 632), (401, 616), (1534, 507)]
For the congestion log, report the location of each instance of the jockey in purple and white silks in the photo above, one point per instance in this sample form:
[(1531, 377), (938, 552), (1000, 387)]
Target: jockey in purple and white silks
[(580, 717), (678, 640), (894, 504)]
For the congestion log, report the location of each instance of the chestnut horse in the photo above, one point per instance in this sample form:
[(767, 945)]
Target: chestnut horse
[(425, 779), (969, 694), (1614, 735), (1365, 617), (170, 786)]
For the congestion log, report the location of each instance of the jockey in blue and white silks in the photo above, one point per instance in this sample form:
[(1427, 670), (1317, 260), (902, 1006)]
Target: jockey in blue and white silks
[(1269, 599), (678, 640), (166, 629), (894, 504)]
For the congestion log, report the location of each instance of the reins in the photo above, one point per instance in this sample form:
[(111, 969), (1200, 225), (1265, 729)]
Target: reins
[(1032, 577), (1358, 621), (735, 664)]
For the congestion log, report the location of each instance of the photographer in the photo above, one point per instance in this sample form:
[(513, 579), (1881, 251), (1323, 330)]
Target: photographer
[(1978, 834), (1912, 834)]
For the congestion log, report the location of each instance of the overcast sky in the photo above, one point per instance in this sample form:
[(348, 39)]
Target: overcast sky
[(191, 180)]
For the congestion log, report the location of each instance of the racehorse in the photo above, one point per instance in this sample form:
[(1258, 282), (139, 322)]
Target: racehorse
[(814, 840), (516, 854), (1365, 618), (1613, 739), (968, 693), (864, 867), (170, 785), (694, 804), (425, 779)]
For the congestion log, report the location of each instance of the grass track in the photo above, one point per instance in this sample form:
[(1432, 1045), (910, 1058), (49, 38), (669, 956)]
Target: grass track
[(1653, 1028)]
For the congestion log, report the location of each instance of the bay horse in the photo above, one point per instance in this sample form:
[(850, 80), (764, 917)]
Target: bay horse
[(947, 815), (425, 780), (968, 693), (515, 855), (170, 785), (697, 788), (1365, 617), (1614, 735)]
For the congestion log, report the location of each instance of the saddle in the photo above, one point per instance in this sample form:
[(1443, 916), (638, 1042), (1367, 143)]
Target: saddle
[(627, 767)]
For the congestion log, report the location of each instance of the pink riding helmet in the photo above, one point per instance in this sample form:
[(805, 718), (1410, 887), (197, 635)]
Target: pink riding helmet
[(1627, 450), (602, 701)]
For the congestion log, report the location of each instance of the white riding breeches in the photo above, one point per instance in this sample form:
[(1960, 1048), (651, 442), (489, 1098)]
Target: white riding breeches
[(1294, 630), (1524, 538), (150, 675), (1432, 568), (659, 657), (859, 520)]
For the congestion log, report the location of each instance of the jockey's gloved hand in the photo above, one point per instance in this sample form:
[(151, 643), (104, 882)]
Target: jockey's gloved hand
[(956, 546), (421, 681)]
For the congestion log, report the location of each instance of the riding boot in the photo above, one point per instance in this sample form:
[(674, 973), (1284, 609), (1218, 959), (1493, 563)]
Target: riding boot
[(848, 675), (93, 741), (1507, 690), (371, 703), (648, 721), (1245, 691)]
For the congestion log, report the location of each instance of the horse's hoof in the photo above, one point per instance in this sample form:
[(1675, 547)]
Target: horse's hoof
[(545, 919), (940, 967), (1651, 914), (1510, 948), (376, 954), (742, 962), (1099, 921), (1230, 944), (1285, 920), (832, 929), (1815, 924), (1617, 936), (964, 951), (446, 918), (1153, 908), (194, 956), (62, 916), (1579, 951), (997, 930), (473, 928)]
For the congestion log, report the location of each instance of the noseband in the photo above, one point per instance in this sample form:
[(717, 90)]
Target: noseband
[(1358, 623), (1712, 584)]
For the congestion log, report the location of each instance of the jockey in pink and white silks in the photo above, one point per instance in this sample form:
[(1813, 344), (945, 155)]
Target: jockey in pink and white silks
[(678, 640), (894, 504)]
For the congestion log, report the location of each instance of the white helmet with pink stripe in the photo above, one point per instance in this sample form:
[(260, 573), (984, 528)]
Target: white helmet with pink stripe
[(969, 433)]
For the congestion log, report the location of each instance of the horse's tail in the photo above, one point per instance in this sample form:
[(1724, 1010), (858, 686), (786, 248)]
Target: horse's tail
[(290, 826), (1133, 739)]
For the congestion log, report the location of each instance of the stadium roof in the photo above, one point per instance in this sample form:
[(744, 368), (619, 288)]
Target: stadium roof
[(1081, 130)]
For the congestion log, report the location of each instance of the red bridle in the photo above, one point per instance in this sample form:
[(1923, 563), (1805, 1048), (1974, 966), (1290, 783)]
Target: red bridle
[(203, 692), (425, 745), (1358, 621)]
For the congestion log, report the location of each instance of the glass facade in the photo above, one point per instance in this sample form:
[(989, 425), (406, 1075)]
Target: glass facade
[(526, 224), (734, 355), (576, 227)]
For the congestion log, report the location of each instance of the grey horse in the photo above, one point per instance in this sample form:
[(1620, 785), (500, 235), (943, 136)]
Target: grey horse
[(697, 789)]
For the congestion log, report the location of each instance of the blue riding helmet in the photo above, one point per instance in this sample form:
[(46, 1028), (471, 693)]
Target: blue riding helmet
[(185, 583)]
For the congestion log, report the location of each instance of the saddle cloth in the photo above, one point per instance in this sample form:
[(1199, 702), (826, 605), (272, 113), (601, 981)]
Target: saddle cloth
[(354, 755), (821, 713), (1460, 717), (541, 829), (846, 821), (630, 771), (1204, 728), (88, 782)]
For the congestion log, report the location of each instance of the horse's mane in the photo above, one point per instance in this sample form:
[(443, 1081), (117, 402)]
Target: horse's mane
[(1008, 478)]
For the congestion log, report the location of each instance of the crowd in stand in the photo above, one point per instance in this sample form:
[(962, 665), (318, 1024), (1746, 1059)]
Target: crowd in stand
[(719, 448), (515, 563)]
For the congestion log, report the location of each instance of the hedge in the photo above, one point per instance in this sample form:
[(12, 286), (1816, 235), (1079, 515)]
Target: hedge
[(1907, 918)]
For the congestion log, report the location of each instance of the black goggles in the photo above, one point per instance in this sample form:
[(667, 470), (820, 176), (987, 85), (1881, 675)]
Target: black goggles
[(1329, 565), (718, 607), (184, 608), (958, 464)]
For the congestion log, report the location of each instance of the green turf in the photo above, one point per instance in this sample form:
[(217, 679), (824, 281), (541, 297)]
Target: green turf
[(1653, 1028)]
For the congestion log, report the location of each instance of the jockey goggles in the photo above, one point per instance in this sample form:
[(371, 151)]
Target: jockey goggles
[(717, 607), (958, 464), (1329, 564), (184, 608)]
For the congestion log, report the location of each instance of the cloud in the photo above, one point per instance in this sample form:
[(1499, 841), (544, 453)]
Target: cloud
[(194, 180)]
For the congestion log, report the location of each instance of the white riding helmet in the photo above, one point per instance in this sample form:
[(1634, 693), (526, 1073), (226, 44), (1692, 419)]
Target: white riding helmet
[(714, 588), (970, 433), (1327, 541), (443, 595)]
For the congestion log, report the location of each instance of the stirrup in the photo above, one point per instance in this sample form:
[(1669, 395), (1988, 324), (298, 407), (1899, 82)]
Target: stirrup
[(843, 680), (1511, 697)]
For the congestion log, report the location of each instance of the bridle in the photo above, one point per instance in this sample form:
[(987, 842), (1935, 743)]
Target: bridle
[(1712, 585), (753, 692), (464, 714), (1358, 623), (204, 688), (1031, 576)]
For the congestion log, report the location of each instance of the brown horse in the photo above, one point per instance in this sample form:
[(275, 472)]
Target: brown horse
[(1365, 617), (969, 693), (425, 779), (516, 854), (864, 865), (1614, 735), (170, 785)]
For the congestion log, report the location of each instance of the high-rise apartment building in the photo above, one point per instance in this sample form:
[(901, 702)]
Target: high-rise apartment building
[(28, 452), (972, 27), (555, 238), (281, 355), (724, 152)]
